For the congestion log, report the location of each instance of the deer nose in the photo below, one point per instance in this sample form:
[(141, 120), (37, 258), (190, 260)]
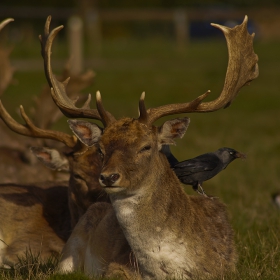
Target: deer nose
[(109, 180)]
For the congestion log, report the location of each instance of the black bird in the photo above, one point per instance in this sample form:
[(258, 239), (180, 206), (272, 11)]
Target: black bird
[(171, 159), (202, 168), (276, 199)]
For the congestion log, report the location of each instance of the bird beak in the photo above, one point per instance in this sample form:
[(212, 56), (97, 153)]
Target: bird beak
[(240, 155)]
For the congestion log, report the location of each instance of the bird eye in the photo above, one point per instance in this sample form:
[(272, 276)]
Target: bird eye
[(146, 148), (231, 153)]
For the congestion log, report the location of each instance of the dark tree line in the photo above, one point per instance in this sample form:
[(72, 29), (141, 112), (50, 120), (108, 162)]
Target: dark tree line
[(141, 3)]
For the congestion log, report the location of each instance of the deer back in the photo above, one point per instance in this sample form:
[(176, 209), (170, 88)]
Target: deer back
[(33, 218)]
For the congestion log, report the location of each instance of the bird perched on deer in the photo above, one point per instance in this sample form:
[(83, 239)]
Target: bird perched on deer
[(204, 167)]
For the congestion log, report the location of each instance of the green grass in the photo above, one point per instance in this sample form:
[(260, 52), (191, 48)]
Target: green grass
[(250, 125), (30, 267)]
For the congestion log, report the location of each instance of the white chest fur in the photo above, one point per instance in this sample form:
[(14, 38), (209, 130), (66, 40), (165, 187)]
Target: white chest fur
[(159, 251)]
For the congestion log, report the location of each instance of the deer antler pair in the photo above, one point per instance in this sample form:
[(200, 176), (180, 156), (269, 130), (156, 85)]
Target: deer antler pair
[(242, 68)]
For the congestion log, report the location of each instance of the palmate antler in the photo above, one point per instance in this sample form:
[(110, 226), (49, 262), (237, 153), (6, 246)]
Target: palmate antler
[(58, 89), (242, 68)]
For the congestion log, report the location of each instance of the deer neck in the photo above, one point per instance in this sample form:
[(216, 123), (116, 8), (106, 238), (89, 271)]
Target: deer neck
[(152, 193), (147, 216)]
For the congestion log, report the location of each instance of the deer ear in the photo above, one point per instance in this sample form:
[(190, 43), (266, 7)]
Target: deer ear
[(171, 130), (88, 133), (51, 158)]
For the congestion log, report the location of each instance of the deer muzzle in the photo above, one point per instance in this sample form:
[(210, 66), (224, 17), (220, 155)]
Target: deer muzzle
[(108, 180)]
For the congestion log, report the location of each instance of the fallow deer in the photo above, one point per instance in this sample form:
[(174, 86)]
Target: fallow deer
[(36, 216), (75, 155), (170, 233)]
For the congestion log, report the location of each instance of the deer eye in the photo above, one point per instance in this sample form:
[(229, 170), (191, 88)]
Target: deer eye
[(146, 148), (78, 177)]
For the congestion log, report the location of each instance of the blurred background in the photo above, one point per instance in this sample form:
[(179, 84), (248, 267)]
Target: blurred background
[(169, 50), (100, 23)]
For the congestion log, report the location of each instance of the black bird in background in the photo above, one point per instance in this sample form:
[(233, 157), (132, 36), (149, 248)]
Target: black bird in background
[(276, 199), (201, 168)]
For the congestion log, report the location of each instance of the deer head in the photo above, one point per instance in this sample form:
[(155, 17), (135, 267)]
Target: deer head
[(242, 69), (142, 152)]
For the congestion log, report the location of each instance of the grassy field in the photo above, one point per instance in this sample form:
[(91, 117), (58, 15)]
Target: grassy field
[(250, 125)]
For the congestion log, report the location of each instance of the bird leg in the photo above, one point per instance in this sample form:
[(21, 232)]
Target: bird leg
[(198, 188)]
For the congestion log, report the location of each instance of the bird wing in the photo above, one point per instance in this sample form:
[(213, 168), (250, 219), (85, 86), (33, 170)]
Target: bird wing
[(205, 162)]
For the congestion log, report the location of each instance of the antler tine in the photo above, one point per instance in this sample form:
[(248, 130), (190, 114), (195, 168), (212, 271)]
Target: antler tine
[(106, 118), (58, 92), (242, 69), (5, 22), (242, 66), (29, 129), (143, 116), (172, 109)]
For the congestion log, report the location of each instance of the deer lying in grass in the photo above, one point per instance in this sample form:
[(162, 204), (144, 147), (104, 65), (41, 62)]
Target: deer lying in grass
[(35, 218), (74, 157), (170, 233), (31, 216)]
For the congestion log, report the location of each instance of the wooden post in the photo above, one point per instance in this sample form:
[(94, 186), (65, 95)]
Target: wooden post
[(75, 36), (181, 28), (93, 32)]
